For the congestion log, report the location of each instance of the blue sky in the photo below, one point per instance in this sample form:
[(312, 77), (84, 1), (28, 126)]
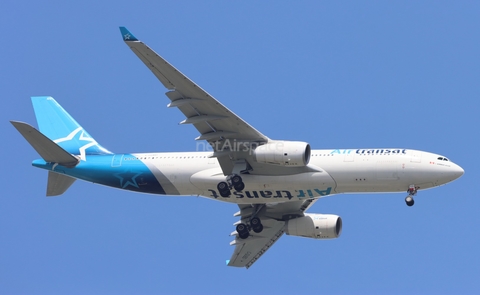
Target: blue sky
[(335, 74)]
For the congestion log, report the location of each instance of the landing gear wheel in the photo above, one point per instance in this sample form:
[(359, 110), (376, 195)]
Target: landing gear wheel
[(237, 183), (239, 186), (222, 186), (258, 228), (225, 193), (236, 179), (409, 200), (256, 225), (241, 227), (223, 189), (242, 231)]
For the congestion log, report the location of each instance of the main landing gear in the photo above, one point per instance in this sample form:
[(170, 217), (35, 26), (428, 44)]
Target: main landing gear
[(233, 181), (244, 229), (253, 223), (412, 191)]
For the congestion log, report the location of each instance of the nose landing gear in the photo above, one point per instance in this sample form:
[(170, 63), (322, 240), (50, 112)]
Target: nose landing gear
[(409, 200), (412, 191)]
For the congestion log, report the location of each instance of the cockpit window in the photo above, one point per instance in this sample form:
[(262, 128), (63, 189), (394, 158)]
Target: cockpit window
[(445, 159), (442, 159)]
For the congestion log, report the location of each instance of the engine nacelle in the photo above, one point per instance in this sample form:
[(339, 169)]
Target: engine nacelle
[(316, 226), (284, 153)]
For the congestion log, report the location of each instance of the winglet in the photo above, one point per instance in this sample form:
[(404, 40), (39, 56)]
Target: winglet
[(227, 261), (127, 36)]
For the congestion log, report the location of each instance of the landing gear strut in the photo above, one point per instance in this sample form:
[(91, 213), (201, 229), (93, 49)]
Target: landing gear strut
[(412, 191)]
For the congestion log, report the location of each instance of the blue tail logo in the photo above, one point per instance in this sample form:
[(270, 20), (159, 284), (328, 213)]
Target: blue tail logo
[(55, 123)]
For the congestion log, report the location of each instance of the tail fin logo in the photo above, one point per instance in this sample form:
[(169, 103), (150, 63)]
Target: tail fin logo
[(76, 138)]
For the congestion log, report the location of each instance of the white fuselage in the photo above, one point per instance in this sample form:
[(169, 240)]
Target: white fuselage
[(328, 172)]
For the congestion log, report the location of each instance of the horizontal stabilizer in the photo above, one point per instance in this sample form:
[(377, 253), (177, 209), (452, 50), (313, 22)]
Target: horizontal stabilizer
[(58, 183), (46, 148)]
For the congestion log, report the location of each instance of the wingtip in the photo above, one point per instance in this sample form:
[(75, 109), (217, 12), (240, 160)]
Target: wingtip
[(126, 35)]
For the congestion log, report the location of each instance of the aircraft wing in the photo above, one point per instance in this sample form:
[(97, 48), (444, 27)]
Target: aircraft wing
[(273, 216), (215, 123), (208, 115)]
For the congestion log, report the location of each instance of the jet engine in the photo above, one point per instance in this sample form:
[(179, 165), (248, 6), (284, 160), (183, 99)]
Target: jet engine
[(316, 226), (283, 153)]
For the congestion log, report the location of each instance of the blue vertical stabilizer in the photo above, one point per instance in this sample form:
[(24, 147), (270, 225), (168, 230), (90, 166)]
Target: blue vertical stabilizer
[(55, 123)]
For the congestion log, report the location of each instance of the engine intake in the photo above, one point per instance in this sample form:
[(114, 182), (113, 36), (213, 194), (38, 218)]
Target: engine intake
[(316, 226), (284, 153)]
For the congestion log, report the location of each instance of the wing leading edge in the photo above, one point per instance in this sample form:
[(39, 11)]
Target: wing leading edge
[(212, 119)]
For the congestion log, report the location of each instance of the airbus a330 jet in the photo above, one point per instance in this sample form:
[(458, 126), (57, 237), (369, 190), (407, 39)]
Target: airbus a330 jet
[(273, 182)]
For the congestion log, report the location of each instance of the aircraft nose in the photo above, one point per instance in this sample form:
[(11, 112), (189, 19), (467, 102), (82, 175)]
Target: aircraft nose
[(457, 171), (446, 174)]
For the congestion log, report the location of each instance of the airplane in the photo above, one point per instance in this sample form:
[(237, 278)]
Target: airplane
[(273, 182)]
